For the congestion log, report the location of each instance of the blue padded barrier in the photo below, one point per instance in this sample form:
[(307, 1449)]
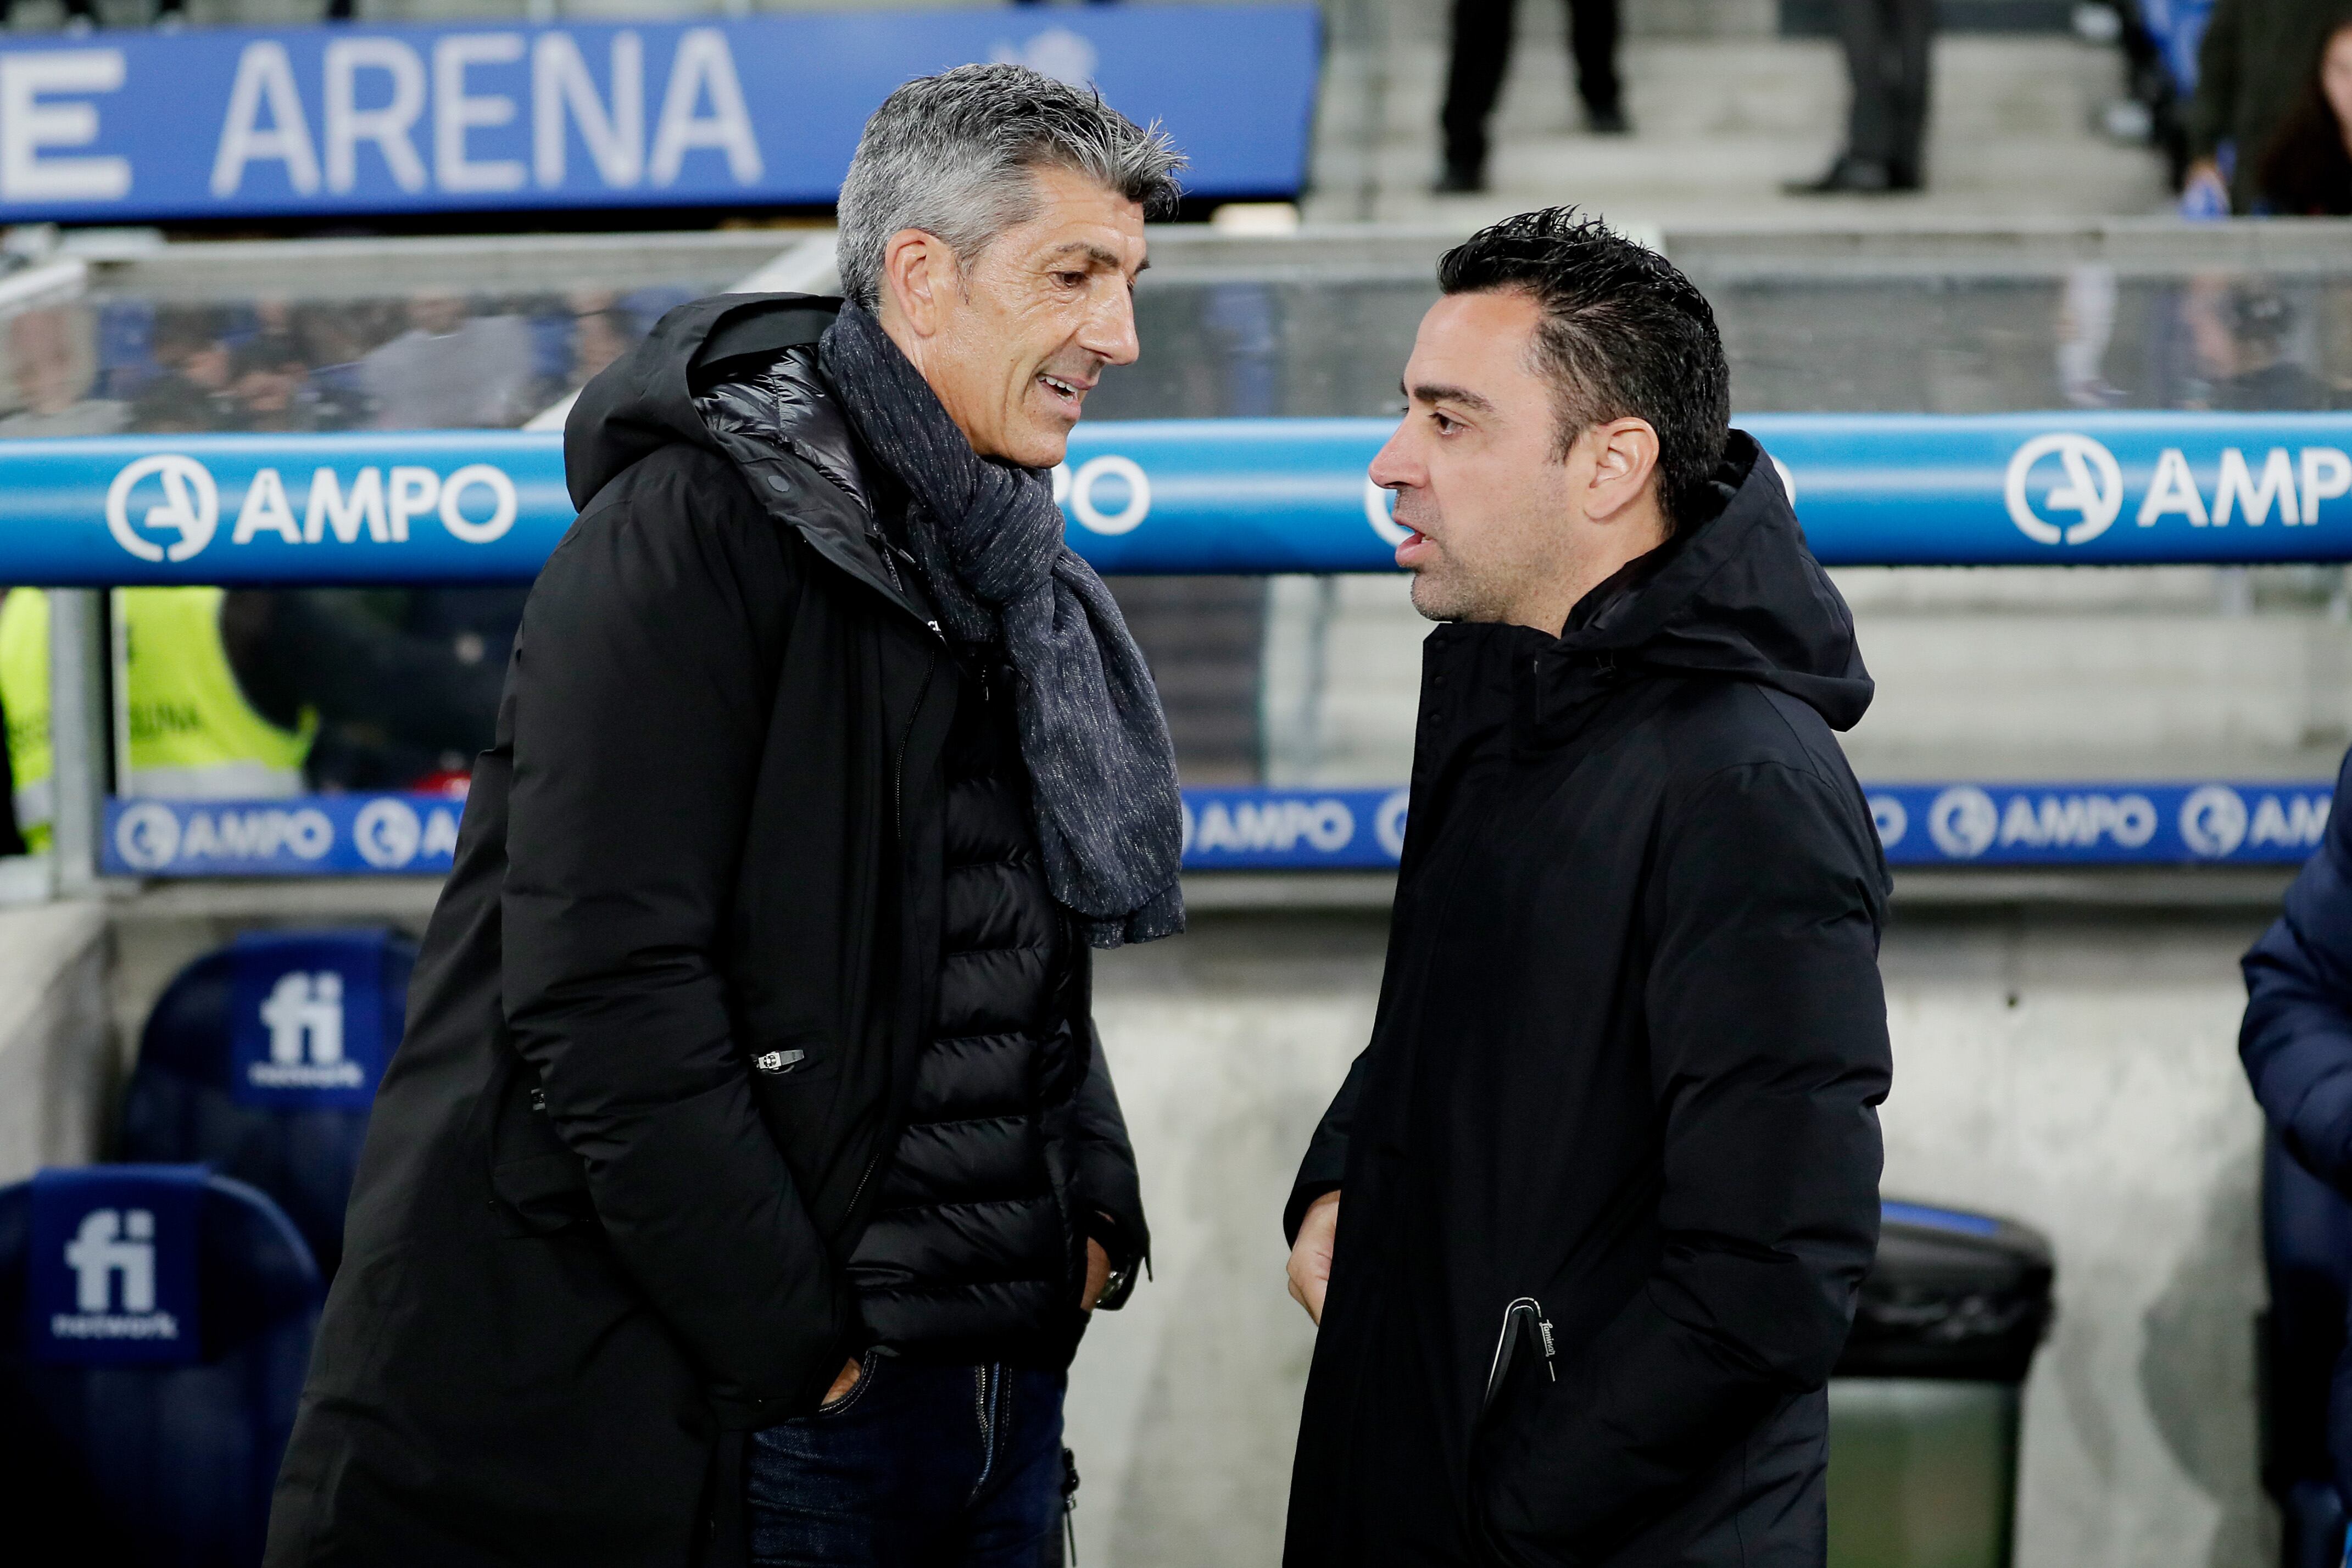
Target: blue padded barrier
[(153, 1466), (262, 1059), (1195, 495), (2191, 822)]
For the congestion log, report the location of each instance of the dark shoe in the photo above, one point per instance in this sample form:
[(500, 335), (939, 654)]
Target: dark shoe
[(1608, 122), (1903, 177), (1459, 179), (1848, 176)]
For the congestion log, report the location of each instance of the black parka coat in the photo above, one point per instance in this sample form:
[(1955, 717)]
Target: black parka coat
[(1624, 1071), (664, 1026)]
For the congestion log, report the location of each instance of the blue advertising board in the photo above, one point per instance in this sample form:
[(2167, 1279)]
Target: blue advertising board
[(1194, 495), (2222, 822), (721, 112)]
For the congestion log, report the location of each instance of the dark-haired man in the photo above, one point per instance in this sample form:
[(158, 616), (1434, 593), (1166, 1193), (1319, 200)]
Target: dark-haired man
[(1609, 1163)]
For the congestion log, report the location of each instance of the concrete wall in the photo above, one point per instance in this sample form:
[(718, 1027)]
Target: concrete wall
[(54, 1068), (2073, 1069)]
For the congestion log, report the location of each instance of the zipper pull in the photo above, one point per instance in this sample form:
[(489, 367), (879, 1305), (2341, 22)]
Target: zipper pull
[(1543, 1329)]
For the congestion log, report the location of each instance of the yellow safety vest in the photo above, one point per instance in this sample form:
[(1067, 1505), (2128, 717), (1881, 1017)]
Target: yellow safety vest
[(192, 733)]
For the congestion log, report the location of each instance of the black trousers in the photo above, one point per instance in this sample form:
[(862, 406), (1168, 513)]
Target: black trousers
[(1482, 51), (1886, 55)]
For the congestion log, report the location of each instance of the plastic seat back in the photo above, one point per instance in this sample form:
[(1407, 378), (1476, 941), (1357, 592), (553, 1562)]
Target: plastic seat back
[(261, 1060), (155, 1325)]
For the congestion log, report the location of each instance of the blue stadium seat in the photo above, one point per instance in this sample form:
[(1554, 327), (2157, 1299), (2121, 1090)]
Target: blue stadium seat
[(155, 1324), (261, 1061)]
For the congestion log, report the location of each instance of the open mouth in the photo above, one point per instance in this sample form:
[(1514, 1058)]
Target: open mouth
[(1069, 394)]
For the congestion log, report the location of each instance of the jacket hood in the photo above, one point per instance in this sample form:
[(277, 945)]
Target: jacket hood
[(736, 375), (643, 400), (1739, 595)]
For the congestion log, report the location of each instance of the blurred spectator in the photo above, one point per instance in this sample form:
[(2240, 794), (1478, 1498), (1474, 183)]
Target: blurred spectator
[(2306, 170), (193, 342), (248, 694), (52, 364), (170, 404), (1888, 61), (450, 371), (82, 16), (267, 379), (2254, 67), (1482, 52)]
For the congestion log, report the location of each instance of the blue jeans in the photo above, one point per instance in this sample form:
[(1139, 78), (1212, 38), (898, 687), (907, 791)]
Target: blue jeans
[(918, 1465)]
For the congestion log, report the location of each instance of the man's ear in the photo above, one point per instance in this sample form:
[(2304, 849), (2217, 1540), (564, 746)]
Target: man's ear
[(1624, 462), (916, 268)]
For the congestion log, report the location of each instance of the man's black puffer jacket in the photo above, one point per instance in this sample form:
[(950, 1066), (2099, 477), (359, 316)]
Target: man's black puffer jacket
[(969, 1254)]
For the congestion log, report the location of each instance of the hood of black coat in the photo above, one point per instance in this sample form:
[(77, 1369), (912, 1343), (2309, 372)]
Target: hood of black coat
[(688, 383), (1737, 594), (643, 400)]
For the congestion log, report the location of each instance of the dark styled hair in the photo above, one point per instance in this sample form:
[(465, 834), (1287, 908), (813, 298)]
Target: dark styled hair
[(1624, 334), (2305, 170)]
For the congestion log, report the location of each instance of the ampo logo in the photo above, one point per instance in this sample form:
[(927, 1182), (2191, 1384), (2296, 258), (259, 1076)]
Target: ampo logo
[(1962, 821), (190, 506), (387, 833), (147, 836), (2092, 488), (1077, 493), (2213, 820)]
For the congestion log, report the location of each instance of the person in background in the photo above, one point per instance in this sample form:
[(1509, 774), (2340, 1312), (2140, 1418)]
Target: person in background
[(2296, 1045), (451, 370), (226, 691), (1481, 56), (2254, 68), (1583, 1228), (2306, 170), (1888, 63)]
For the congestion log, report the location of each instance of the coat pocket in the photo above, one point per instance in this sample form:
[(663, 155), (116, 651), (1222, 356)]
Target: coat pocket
[(539, 1184)]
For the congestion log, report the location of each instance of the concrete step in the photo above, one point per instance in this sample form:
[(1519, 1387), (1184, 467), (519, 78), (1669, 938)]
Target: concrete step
[(1720, 122)]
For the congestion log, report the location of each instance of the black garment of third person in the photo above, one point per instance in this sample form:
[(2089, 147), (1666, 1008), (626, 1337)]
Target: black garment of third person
[(1629, 1044), (1482, 57)]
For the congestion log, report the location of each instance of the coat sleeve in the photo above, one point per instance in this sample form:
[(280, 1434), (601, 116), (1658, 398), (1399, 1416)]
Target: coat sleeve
[(1768, 1058), (2296, 1042), (2213, 106), (1326, 1165), (1107, 1182), (641, 693)]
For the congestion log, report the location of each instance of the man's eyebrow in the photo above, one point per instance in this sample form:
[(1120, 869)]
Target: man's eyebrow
[(1092, 252), (1433, 391)]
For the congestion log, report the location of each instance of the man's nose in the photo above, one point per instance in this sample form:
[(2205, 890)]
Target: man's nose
[(1393, 468), (1109, 332)]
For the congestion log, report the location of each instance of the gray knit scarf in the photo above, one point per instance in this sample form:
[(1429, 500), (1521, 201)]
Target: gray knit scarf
[(987, 539)]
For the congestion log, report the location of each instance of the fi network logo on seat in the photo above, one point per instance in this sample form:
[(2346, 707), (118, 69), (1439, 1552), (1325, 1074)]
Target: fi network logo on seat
[(114, 1245), (304, 1016)]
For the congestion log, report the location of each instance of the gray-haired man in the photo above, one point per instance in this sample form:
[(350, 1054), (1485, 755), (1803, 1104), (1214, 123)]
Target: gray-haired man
[(749, 1168)]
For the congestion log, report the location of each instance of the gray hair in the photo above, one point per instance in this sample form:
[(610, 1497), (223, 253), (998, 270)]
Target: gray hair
[(950, 155)]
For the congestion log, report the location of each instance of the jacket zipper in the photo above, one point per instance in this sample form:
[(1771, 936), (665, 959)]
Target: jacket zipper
[(1524, 1313), (899, 761)]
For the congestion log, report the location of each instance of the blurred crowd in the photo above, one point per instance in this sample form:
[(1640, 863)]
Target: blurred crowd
[(424, 362), (346, 689)]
